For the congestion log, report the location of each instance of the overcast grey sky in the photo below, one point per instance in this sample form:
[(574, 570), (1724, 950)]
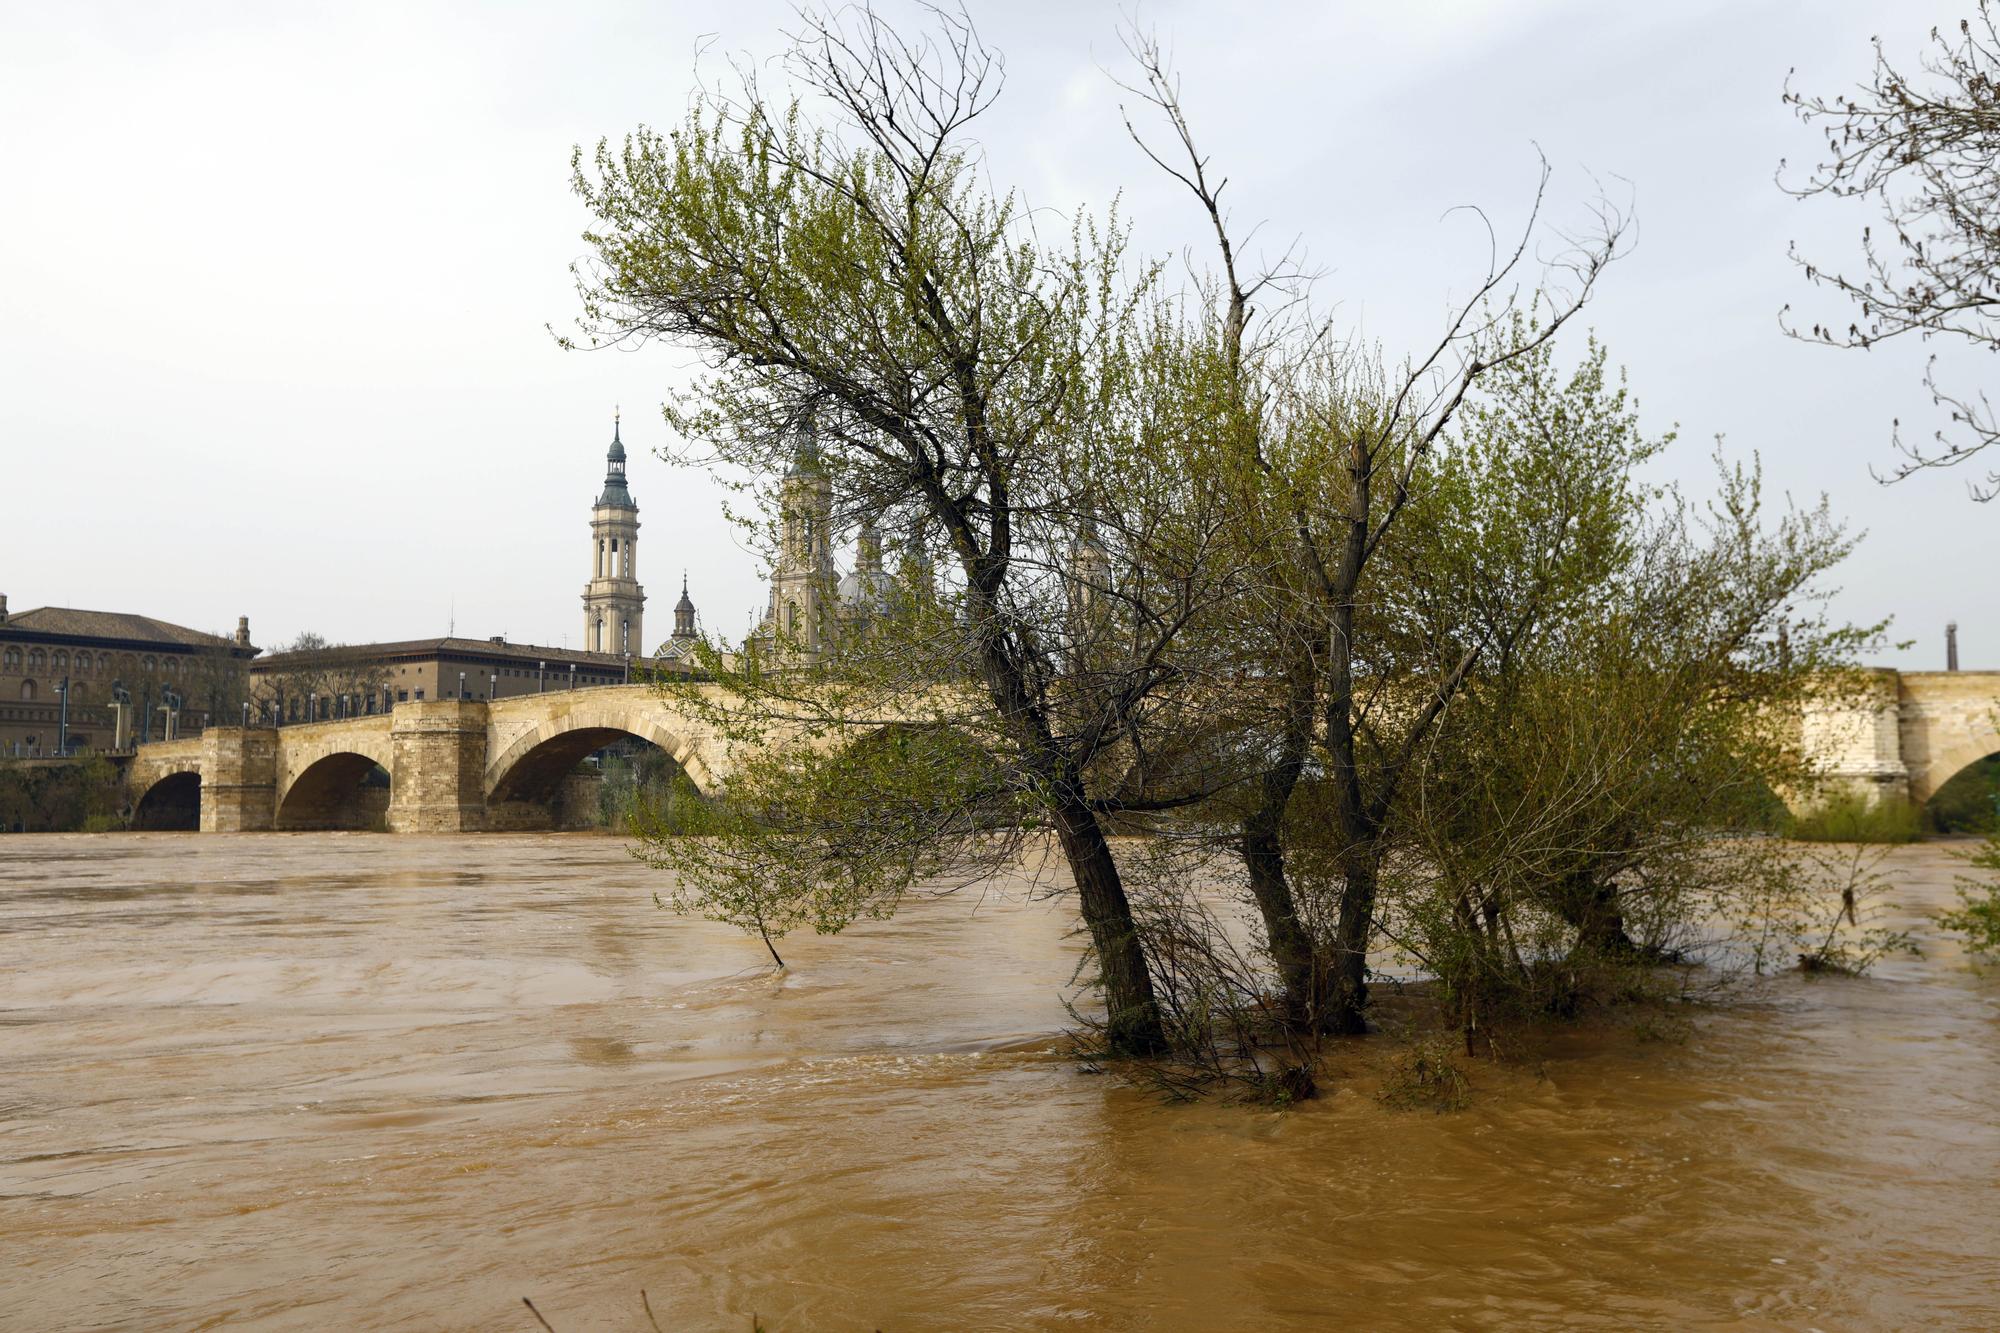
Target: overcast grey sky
[(274, 278)]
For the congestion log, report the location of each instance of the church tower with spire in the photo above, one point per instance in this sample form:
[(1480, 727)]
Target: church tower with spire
[(802, 587), (684, 630), (613, 601)]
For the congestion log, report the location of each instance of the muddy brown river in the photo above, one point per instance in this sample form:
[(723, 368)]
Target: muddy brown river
[(348, 1081)]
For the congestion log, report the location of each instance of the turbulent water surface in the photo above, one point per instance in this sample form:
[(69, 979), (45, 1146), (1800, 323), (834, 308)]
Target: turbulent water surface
[(352, 1081)]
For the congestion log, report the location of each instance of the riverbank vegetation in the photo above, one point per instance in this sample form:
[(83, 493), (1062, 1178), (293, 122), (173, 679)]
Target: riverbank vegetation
[(61, 796), (1849, 818), (1407, 656), (1977, 917)]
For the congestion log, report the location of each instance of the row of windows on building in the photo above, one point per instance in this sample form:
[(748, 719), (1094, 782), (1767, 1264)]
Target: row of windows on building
[(559, 672), (327, 708), (40, 661)]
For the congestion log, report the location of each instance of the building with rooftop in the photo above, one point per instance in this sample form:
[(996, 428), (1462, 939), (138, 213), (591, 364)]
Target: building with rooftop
[(73, 679)]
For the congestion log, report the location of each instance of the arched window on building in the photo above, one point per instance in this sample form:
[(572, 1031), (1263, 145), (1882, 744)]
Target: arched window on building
[(27, 691), (625, 637), (10, 661), (38, 661), (59, 662), (83, 664), (147, 664)]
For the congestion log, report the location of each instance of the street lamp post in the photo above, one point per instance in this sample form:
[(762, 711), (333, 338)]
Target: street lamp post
[(628, 666), (312, 705), (461, 684), (492, 685), (62, 718), (540, 669), (246, 714), (572, 675)]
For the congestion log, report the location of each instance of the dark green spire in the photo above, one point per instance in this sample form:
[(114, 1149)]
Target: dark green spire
[(615, 495)]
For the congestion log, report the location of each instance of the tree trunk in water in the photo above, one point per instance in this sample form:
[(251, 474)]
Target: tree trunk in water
[(1592, 908), (1131, 1014)]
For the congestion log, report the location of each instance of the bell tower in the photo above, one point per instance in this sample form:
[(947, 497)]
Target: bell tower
[(802, 583), (613, 601)]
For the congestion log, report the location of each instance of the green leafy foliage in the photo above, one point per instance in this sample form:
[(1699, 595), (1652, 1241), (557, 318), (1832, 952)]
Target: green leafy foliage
[(1846, 817), (1977, 917)]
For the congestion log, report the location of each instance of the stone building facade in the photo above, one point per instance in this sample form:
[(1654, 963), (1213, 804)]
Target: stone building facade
[(355, 680), (125, 678)]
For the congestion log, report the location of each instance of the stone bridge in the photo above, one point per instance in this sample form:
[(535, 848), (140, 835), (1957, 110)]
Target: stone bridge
[(464, 765), (1907, 733), (453, 765)]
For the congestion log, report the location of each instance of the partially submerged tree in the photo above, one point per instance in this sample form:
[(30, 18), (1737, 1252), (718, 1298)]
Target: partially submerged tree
[(872, 312), (1924, 145), (1581, 814), (1168, 565), (1324, 456)]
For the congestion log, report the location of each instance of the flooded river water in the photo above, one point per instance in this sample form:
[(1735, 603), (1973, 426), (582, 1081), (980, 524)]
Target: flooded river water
[(351, 1081)]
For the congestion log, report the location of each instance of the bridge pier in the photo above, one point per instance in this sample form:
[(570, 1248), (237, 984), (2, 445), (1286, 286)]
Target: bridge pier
[(1855, 738), (239, 779), (435, 783)]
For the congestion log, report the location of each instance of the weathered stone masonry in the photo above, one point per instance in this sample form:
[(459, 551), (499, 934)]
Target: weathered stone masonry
[(454, 766)]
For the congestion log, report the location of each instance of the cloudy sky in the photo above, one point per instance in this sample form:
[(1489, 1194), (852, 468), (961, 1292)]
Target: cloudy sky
[(275, 280)]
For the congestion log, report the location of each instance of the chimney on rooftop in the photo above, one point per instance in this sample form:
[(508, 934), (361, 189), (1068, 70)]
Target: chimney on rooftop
[(1950, 639), (3, 608), (243, 631)]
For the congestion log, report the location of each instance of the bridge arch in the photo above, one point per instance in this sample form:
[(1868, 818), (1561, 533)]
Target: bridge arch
[(1966, 800), (1953, 752), (523, 779), (171, 799), (332, 784)]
